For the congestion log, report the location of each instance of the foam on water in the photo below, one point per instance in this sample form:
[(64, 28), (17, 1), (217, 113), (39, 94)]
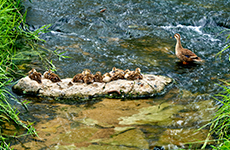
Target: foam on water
[(194, 28), (197, 29)]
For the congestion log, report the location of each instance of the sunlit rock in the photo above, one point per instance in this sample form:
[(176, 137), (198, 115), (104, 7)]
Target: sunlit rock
[(152, 115), (123, 129), (76, 135), (106, 147), (64, 147), (89, 121), (182, 137), (131, 138), (119, 85), (149, 86)]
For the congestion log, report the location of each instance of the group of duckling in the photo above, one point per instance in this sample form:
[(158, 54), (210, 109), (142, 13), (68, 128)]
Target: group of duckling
[(87, 77)]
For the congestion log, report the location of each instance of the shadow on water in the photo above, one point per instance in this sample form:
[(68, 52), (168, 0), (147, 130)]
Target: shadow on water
[(130, 34)]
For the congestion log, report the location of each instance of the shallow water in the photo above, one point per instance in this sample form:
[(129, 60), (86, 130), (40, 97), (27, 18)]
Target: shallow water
[(130, 34)]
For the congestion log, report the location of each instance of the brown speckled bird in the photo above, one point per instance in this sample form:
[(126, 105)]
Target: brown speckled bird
[(98, 77), (116, 74), (133, 75), (88, 76), (51, 76), (183, 54), (106, 77), (34, 75), (78, 78)]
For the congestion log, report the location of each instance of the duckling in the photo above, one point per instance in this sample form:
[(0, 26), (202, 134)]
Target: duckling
[(116, 74), (138, 74), (51, 76), (106, 77), (128, 74), (134, 75), (78, 78), (88, 76), (183, 54), (113, 71), (116, 70), (98, 77), (34, 75)]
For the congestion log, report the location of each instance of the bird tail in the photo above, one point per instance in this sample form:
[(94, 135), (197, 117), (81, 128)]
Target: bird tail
[(197, 59)]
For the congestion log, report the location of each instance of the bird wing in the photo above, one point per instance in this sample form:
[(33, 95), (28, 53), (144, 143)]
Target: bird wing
[(189, 55)]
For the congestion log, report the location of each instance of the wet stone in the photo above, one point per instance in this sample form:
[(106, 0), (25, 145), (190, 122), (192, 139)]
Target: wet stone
[(150, 85), (106, 147), (159, 114), (179, 137), (64, 147), (132, 138), (76, 135)]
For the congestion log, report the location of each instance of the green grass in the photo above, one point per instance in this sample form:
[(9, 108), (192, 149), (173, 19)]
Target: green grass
[(17, 45), (220, 124), (15, 41), (227, 46)]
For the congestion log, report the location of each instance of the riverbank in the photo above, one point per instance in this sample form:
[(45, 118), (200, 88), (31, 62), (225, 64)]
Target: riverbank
[(14, 38), (220, 124)]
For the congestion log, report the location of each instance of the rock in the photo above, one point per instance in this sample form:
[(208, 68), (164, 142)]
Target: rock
[(119, 85), (131, 138), (64, 147), (152, 115), (106, 147), (89, 122), (182, 137), (150, 85), (76, 135), (119, 130)]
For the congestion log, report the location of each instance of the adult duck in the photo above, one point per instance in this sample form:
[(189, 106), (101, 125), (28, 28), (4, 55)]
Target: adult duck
[(184, 54)]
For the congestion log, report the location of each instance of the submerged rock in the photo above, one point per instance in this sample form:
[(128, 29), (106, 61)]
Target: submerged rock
[(76, 135), (64, 147), (131, 138), (150, 85), (182, 137), (106, 147), (152, 115)]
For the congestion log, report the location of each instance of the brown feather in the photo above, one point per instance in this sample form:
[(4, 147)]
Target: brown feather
[(34, 75), (183, 54), (98, 77), (78, 78), (51, 76)]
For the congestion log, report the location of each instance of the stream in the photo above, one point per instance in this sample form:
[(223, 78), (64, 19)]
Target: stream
[(99, 35)]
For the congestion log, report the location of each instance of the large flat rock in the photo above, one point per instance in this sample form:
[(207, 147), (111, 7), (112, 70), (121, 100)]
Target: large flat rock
[(149, 86)]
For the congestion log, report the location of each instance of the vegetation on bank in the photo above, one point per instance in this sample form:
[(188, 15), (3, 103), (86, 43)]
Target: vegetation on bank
[(15, 39), (220, 124)]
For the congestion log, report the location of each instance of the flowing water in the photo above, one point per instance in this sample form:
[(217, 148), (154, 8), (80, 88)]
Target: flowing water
[(129, 34)]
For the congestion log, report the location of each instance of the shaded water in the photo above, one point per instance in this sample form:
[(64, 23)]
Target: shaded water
[(130, 34)]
